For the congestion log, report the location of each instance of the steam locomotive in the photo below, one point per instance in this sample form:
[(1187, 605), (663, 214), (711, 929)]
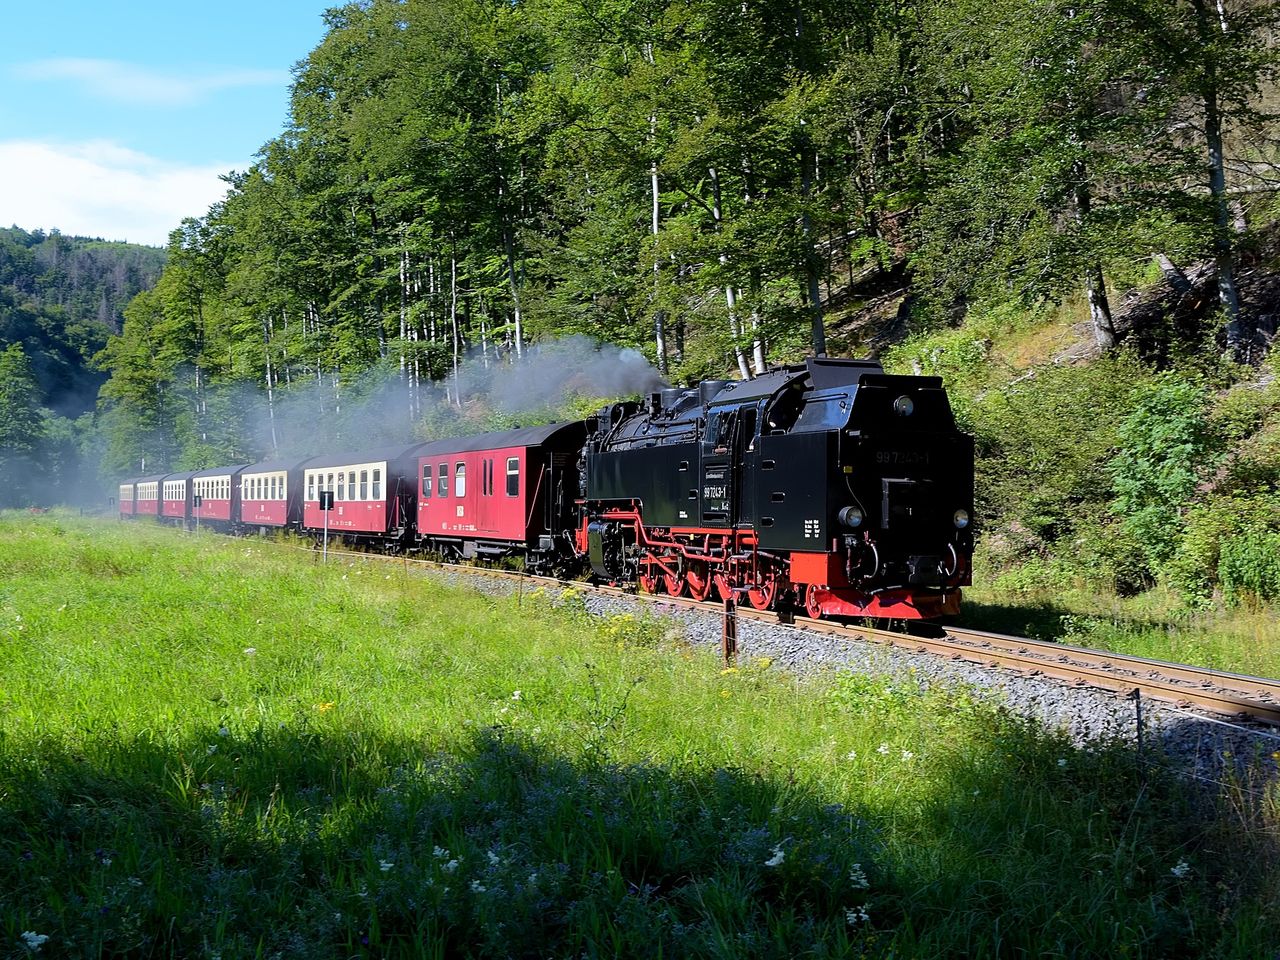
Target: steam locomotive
[(828, 486)]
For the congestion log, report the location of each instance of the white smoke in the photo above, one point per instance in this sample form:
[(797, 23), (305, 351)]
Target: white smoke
[(379, 407), (553, 371)]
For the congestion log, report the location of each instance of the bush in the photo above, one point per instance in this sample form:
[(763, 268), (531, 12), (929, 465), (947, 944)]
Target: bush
[(1165, 447), (1249, 566), (1043, 445)]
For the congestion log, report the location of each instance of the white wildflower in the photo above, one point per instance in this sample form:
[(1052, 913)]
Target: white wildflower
[(851, 755), (250, 651), (494, 860), (856, 915), (33, 940), (224, 732), (386, 865), (440, 853), (908, 755), (516, 695), (449, 867), (533, 878), (1062, 761), (777, 858), (883, 749), (211, 750), (858, 877), (478, 887), (1181, 870)]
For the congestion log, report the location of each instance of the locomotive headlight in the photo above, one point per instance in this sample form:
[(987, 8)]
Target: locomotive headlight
[(904, 406), (851, 517), (960, 518)]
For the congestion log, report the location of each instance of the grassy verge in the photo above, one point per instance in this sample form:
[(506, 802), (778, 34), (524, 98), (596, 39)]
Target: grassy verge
[(1156, 624), (217, 748)]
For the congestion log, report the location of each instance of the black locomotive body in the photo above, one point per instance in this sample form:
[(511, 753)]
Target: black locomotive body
[(829, 484)]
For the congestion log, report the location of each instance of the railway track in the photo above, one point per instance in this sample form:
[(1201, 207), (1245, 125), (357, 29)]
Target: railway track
[(1227, 694)]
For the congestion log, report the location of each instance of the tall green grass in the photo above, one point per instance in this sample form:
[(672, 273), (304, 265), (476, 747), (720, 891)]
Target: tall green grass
[(219, 748), (1157, 624)]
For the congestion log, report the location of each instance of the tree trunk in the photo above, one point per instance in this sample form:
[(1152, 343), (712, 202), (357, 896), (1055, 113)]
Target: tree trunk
[(509, 242), (1239, 335), (453, 321), (808, 163), (1095, 286), (659, 318), (731, 300), (271, 400)]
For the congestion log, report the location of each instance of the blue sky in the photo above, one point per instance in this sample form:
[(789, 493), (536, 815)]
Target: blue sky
[(117, 118)]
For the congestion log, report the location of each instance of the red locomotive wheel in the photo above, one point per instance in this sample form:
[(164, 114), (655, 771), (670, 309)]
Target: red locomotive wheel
[(812, 605), (674, 583), (762, 597), (698, 580), (723, 589)]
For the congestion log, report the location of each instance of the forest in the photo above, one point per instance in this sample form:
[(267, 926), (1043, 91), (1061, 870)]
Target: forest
[(1066, 208), (61, 299)]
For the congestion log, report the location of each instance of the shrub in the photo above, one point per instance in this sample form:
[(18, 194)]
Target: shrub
[(1043, 445), (1249, 566), (1165, 447)]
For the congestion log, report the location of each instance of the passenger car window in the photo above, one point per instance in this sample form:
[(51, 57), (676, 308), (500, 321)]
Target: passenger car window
[(459, 479), (427, 480), (513, 476), (442, 481)]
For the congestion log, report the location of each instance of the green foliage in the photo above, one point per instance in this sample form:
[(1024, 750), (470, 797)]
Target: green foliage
[(1165, 448), (1249, 565), (1043, 446)]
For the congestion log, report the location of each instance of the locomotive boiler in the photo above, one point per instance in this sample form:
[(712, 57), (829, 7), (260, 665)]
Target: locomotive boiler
[(828, 485)]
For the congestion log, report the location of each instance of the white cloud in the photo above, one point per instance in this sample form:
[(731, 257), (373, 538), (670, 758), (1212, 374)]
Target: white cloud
[(101, 189), (131, 83)]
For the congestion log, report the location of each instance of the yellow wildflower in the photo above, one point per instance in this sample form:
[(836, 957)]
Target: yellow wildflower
[(728, 670), (764, 663), (325, 707)]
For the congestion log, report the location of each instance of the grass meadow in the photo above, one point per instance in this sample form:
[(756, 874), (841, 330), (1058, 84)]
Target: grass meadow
[(218, 748)]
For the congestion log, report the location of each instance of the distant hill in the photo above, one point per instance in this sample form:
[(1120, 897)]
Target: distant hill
[(60, 297)]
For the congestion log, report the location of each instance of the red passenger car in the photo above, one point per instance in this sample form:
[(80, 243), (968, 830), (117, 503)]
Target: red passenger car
[(499, 493), (373, 493), (219, 491), (271, 494), (175, 498), (146, 501), (125, 501)]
